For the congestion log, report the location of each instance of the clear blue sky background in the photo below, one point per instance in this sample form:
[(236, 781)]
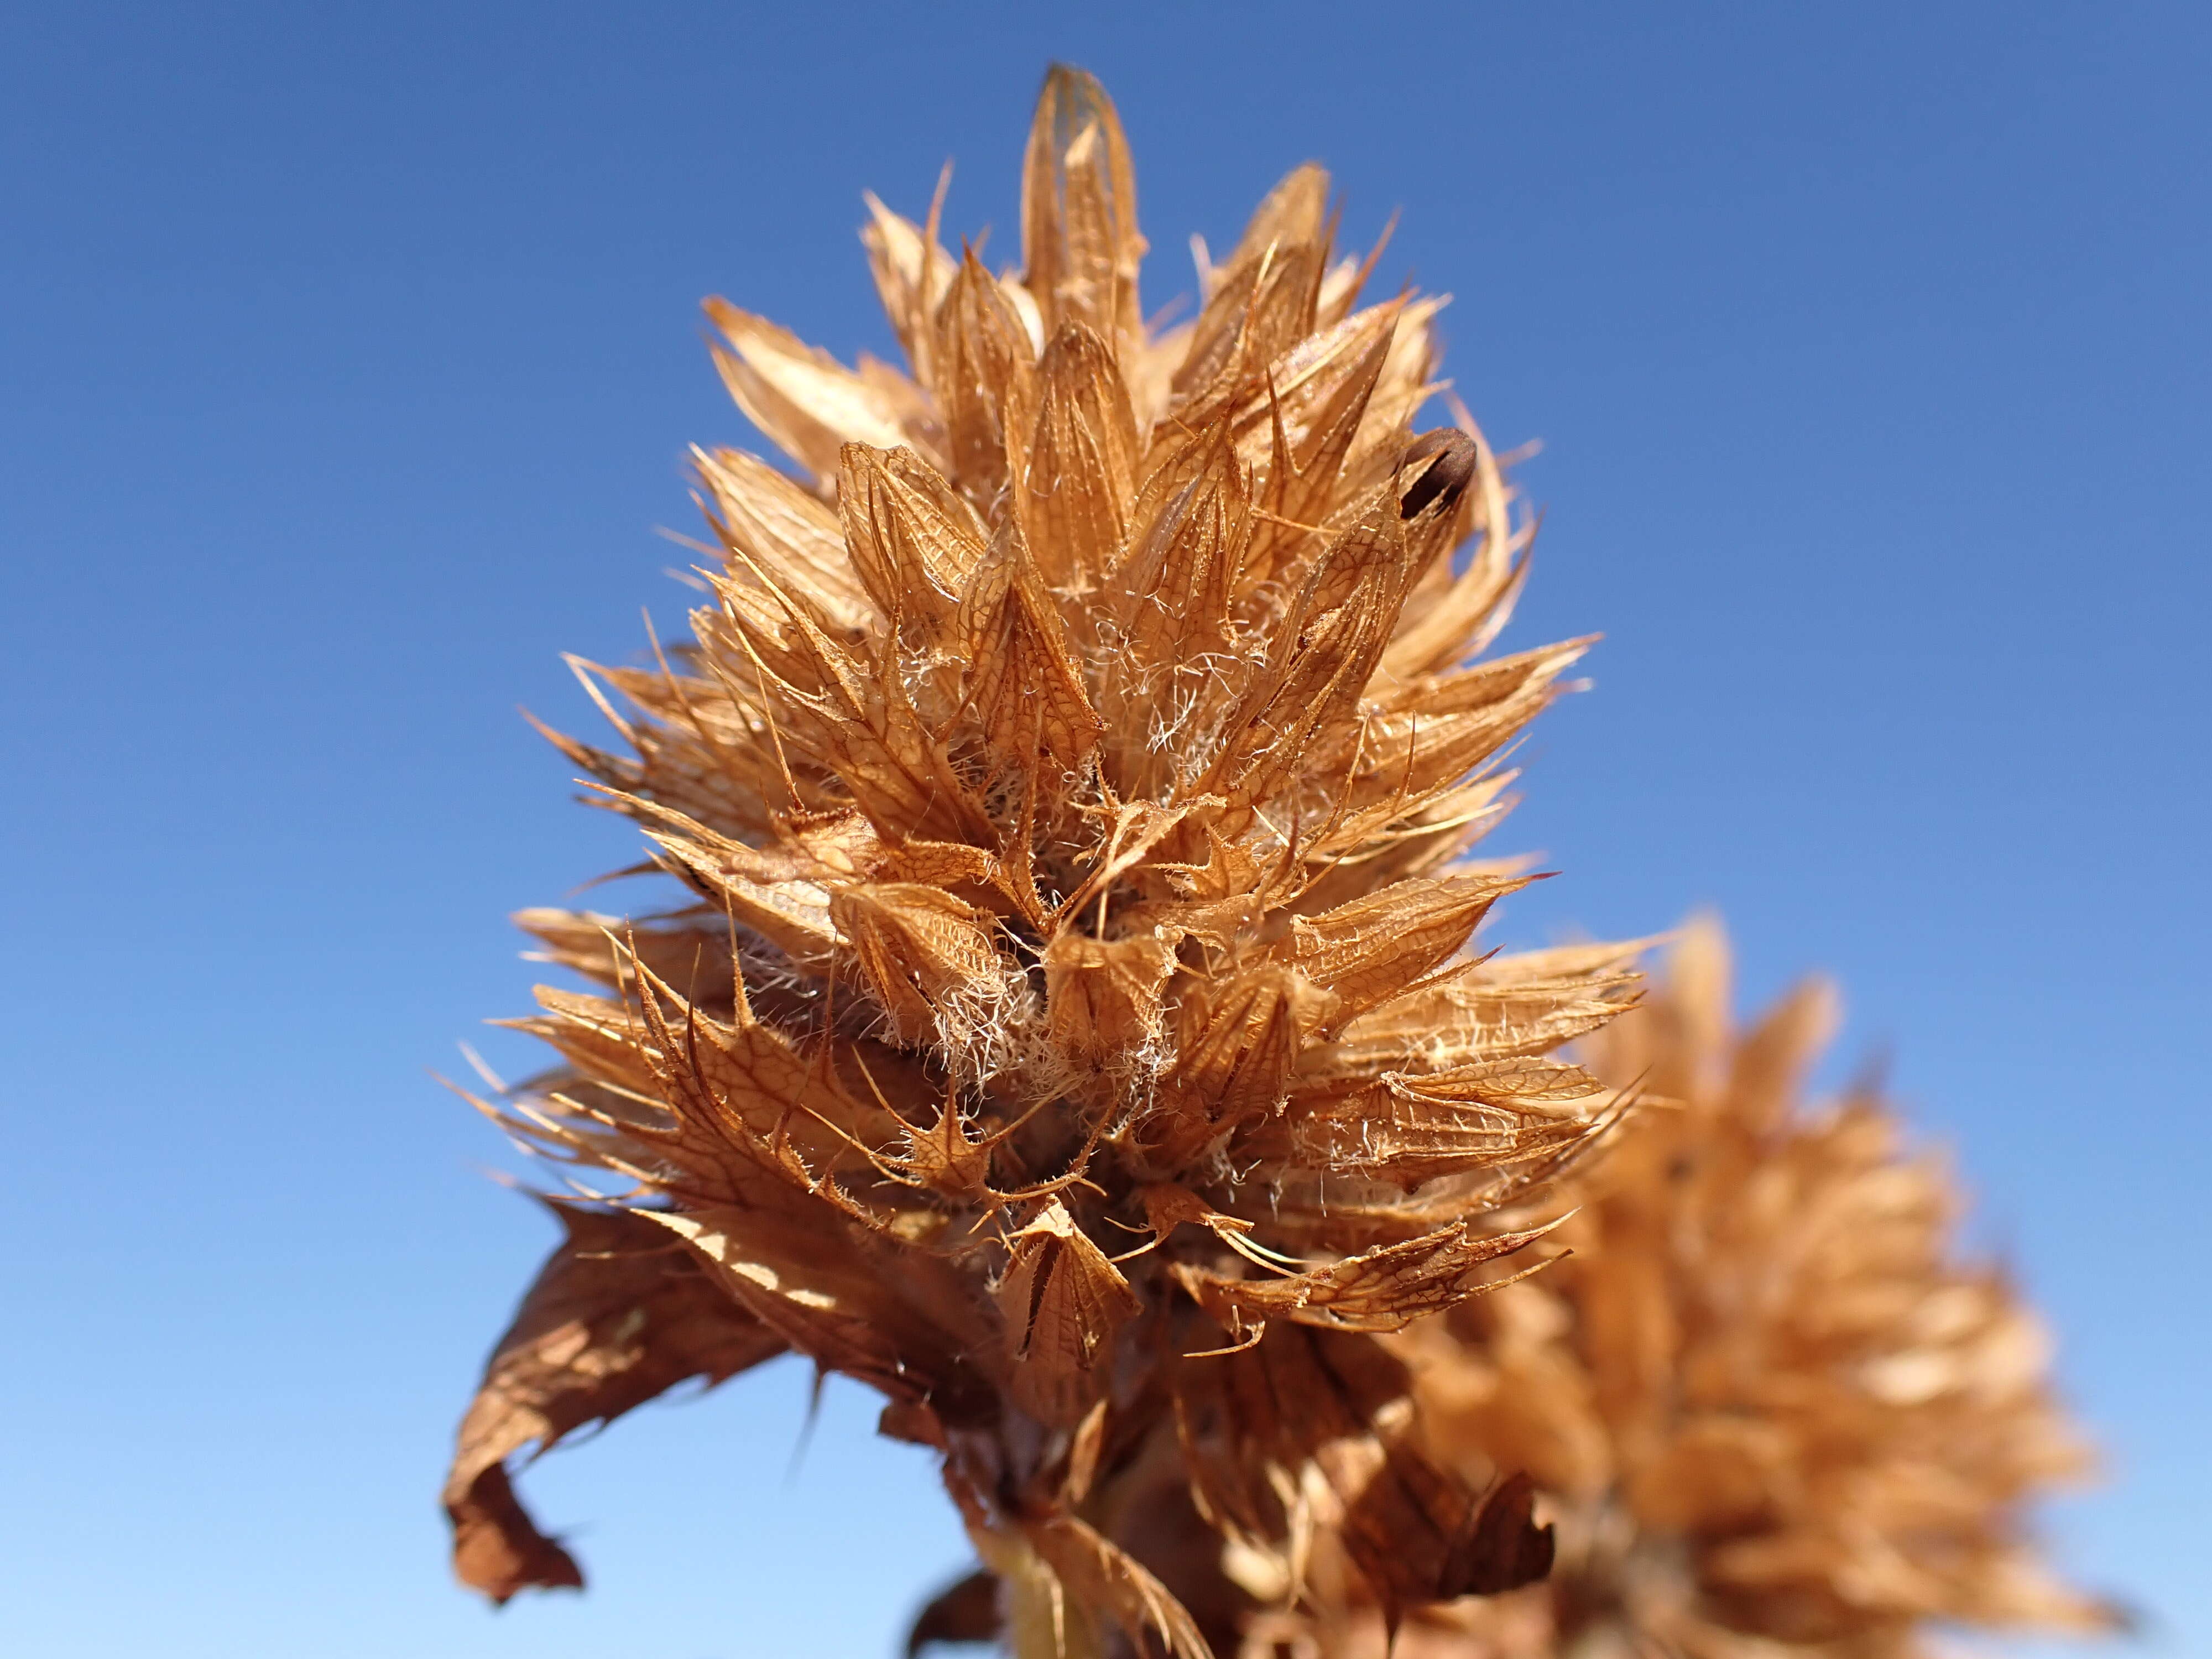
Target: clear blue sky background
[(346, 359)]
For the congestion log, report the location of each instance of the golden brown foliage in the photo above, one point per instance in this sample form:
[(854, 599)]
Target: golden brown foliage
[(1073, 776), (1769, 1409), (615, 1318)]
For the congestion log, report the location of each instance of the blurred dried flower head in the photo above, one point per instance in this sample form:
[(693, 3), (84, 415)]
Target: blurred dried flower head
[(1769, 1410), (1073, 776)]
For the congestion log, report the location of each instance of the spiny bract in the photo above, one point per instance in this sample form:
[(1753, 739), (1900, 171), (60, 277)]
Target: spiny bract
[(1073, 777), (1773, 1411)]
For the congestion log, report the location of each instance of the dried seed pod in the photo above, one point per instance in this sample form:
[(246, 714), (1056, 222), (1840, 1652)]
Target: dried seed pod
[(1765, 1408), (1064, 790)]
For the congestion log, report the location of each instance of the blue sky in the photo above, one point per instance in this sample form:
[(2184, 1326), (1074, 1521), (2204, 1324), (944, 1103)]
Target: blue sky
[(346, 362)]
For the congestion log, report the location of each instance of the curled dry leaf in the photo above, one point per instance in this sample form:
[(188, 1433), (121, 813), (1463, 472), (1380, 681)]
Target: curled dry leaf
[(614, 1318), (966, 1610)]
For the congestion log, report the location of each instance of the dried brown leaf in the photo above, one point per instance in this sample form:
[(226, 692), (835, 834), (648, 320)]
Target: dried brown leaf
[(614, 1318), (912, 1330), (964, 1611)]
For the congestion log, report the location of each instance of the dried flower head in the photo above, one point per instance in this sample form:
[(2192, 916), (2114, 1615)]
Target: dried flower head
[(1771, 1411), (1073, 777)]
